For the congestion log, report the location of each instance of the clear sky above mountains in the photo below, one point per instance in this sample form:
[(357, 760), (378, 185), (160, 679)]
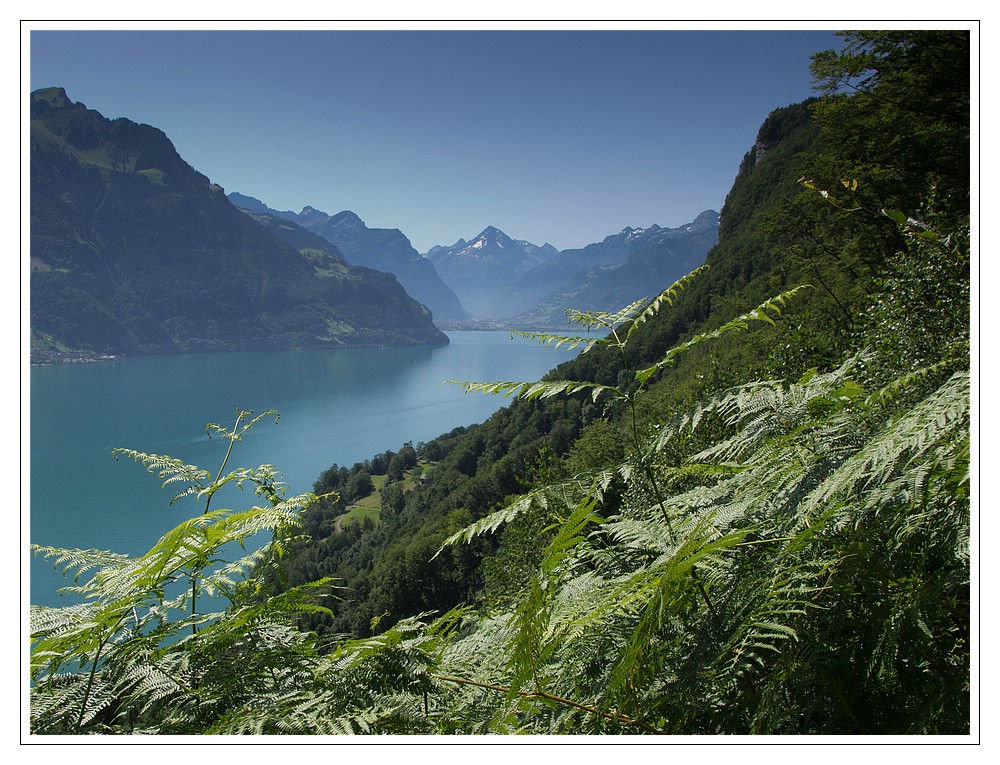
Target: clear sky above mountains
[(561, 137)]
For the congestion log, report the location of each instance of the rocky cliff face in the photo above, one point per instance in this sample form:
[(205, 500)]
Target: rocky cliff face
[(133, 251)]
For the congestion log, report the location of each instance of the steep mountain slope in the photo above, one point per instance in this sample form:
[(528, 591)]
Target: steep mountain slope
[(325, 257), (382, 249), (133, 251), (491, 261), (301, 239)]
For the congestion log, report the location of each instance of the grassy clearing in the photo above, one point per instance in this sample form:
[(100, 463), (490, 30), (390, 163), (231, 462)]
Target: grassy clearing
[(358, 514), (370, 507)]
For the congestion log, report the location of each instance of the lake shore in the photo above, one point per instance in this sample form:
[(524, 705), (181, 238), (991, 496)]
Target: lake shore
[(44, 358)]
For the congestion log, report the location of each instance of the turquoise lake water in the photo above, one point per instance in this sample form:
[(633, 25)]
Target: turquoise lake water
[(339, 407)]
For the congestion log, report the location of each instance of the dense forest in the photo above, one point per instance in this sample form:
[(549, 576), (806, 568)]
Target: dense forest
[(744, 509)]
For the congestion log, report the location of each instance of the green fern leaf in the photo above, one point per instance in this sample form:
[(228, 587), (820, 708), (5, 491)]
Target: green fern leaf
[(532, 390), (667, 297), (763, 313), (558, 341)]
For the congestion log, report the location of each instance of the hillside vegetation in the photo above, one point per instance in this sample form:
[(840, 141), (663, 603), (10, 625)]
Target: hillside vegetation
[(745, 509)]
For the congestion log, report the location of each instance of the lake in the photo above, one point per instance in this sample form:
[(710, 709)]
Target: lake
[(340, 406)]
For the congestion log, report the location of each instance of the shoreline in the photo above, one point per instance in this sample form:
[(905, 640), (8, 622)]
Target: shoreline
[(51, 358)]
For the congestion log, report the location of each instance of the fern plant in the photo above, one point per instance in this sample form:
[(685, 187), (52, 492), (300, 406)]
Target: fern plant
[(127, 659), (118, 658), (833, 575), (731, 604), (620, 327), (804, 570)]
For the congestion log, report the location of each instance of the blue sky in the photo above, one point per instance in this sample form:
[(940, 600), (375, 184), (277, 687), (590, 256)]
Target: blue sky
[(552, 136)]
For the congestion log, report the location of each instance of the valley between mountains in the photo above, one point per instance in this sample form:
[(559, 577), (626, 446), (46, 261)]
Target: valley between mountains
[(134, 252)]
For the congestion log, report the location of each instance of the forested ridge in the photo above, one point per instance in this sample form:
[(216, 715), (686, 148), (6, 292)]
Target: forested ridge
[(745, 509)]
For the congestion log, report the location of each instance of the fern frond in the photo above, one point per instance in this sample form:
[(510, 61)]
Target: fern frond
[(931, 428), (532, 645), (78, 561), (238, 622), (170, 469), (532, 390), (605, 319), (242, 424), (55, 703), (557, 341), (666, 297), (766, 612), (766, 312), (265, 480), (563, 494), (890, 392), (666, 592), (45, 620), (761, 411)]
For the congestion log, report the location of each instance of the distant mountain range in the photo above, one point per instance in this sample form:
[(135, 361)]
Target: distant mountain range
[(379, 248), (133, 251), (476, 270), (513, 282), (525, 285), (608, 275)]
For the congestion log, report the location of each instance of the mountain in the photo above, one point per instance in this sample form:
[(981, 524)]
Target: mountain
[(607, 275), (476, 270), (313, 246), (133, 251), (379, 248)]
